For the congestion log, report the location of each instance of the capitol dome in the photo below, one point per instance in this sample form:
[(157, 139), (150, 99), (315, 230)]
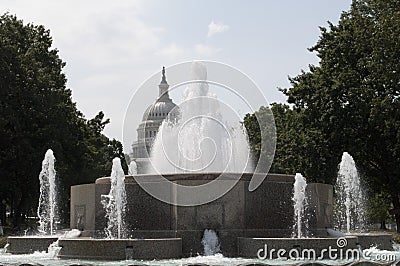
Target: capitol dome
[(154, 115), (159, 110)]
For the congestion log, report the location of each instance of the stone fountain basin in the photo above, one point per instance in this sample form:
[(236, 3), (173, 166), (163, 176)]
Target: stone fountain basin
[(120, 249), (381, 241), (29, 244), (264, 212)]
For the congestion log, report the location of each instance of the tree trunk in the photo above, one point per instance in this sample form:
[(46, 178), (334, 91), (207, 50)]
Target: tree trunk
[(396, 210), (19, 213), (383, 225), (3, 213), (12, 205), (16, 216)]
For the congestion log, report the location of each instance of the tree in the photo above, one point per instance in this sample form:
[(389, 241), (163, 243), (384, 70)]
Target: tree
[(352, 97), (298, 148), (37, 113), (378, 206)]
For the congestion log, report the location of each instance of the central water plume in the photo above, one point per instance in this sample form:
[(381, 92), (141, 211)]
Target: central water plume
[(115, 202), (201, 139), (48, 209)]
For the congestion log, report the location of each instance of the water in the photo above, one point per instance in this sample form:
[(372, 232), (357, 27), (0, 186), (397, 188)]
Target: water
[(210, 241), (115, 202), (5, 248), (299, 204), (73, 233), (202, 139), (350, 197), (44, 258), (47, 210), (132, 169), (54, 249)]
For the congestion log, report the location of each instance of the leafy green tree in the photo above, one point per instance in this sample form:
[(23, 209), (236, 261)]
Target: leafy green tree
[(37, 113), (352, 97), (298, 148), (260, 128), (378, 206)]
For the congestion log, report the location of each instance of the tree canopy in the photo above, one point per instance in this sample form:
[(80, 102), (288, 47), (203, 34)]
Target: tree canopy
[(37, 113)]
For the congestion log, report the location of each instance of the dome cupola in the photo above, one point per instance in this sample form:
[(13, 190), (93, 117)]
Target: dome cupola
[(163, 105)]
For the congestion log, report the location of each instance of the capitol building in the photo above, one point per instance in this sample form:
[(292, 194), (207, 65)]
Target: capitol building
[(147, 130)]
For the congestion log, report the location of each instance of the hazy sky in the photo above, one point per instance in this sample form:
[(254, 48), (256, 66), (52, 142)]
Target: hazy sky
[(111, 47)]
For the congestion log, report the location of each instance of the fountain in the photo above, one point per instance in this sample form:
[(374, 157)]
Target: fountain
[(210, 243), (299, 203), (350, 198), (47, 210), (197, 145), (202, 139), (350, 206), (115, 203), (116, 245), (193, 151)]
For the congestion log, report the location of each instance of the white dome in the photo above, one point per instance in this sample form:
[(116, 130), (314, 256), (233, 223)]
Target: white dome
[(159, 110)]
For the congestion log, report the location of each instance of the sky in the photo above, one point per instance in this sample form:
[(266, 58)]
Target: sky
[(112, 47)]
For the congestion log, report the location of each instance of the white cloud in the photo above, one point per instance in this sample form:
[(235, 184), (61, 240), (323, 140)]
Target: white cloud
[(206, 50), (182, 53), (214, 28), (95, 32), (171, 51)]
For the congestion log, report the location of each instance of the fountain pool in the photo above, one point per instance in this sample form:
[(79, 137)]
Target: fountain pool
[(43, 258)]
